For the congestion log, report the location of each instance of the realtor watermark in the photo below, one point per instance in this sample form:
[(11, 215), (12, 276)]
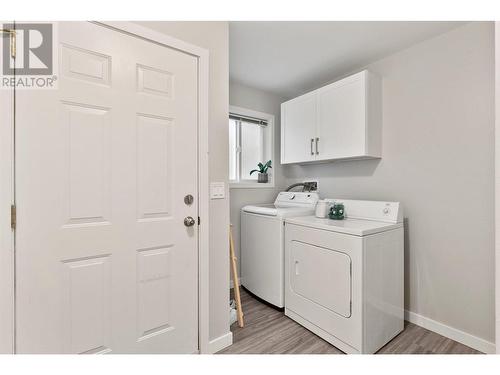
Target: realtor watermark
[(29, 56)]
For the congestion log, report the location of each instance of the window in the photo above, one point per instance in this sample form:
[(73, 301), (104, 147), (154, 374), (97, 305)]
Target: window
[(250, 143)]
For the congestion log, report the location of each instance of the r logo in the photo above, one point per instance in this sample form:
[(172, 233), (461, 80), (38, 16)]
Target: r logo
[(33, 50)]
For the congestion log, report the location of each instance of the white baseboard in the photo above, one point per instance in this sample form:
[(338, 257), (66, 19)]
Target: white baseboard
[(450, 332), (220, 343)]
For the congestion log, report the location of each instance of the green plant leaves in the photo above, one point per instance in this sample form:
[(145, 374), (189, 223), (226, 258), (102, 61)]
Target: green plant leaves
[(262, 167)]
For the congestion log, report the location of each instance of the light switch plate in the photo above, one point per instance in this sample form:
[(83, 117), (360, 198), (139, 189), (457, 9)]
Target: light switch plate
[(217, 190)]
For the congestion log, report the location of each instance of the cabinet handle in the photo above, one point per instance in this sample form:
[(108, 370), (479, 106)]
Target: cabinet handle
[(317, 141), (312, 141)]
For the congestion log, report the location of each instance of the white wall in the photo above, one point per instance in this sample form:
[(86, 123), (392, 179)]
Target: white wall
[(214, 37), (250, 98), (438, 160)]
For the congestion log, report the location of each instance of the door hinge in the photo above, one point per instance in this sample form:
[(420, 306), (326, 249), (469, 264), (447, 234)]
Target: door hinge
[(12, 36), (13, 217), (199, 220), (13, 44)]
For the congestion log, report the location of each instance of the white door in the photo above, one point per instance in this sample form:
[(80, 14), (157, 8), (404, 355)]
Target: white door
[(104, 260), (298, 122), (341, 118)]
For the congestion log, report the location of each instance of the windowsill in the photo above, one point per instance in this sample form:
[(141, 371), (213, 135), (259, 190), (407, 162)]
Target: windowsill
[(251, 185)]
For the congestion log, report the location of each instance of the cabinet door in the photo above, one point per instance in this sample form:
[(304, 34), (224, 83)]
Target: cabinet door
[(341, 119), (298, 121)]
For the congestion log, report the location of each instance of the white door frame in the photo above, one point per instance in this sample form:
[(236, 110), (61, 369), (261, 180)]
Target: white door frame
[(7, 237), (497, 185)]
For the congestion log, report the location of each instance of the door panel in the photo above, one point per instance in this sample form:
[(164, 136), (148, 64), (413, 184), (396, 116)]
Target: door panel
[(298, 119), (87, 156), (154, 280), (85, 65), (104, 261), (154, 167), (86, 305)]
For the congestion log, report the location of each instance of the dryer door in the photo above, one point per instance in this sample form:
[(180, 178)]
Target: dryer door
[(323, 284), (322, 276)]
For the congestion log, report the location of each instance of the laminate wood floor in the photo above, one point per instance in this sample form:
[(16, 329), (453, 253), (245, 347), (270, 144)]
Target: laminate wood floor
[(268, 331)]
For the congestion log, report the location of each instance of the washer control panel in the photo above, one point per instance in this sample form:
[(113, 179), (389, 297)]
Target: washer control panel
[(288, 198)]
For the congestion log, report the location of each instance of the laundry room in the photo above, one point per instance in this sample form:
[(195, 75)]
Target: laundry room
[(236, 187), (361, 186)]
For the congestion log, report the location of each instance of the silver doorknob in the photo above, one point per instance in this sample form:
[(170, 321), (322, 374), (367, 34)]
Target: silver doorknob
[(189, 221)]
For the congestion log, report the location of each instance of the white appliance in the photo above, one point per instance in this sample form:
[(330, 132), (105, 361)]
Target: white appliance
[(262, 243), (344, 278)]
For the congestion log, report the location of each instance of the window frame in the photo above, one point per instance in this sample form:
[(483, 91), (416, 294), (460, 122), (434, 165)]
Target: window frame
[(268, 150)]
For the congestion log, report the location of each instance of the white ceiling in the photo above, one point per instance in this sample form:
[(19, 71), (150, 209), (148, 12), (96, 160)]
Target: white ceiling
[(290, 58)]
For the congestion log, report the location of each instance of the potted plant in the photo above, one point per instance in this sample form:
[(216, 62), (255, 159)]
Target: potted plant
[(263, 176)]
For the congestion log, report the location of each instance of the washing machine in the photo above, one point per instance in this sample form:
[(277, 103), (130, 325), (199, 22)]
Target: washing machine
[(344, 278), (262, 243)]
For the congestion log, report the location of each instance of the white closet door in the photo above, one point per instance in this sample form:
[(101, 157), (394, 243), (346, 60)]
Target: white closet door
[(298, 122), (104, 260)]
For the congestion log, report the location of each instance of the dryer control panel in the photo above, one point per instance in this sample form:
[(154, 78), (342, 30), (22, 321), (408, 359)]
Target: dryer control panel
[(388, 212)]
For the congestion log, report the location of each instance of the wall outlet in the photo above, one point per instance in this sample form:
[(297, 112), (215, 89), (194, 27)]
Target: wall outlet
[(311, 185)]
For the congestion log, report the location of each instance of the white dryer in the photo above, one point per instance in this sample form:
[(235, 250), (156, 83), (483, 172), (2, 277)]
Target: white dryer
[(344, 278), (262, 243)]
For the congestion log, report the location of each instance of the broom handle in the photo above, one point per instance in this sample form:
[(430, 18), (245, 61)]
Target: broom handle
[(235, 279)]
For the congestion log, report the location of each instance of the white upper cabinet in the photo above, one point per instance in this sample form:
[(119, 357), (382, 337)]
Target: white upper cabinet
[(342, 120), (297, 138), (340, 125)]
